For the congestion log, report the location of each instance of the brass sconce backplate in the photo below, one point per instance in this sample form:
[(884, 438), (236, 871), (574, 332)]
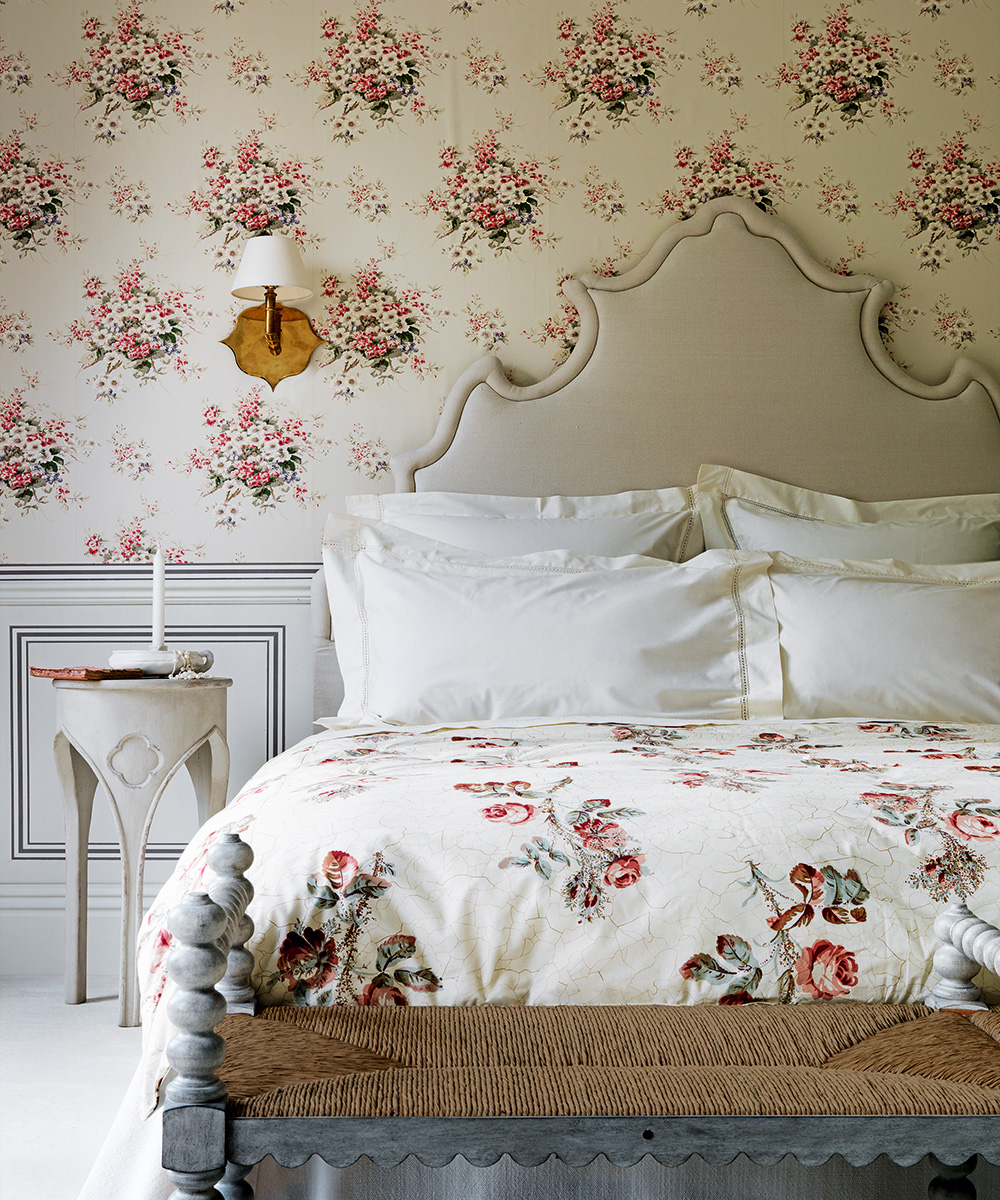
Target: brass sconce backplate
[(298, 341)]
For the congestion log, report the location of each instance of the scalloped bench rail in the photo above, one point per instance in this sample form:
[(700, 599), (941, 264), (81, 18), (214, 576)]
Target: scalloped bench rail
[(857, 1080)]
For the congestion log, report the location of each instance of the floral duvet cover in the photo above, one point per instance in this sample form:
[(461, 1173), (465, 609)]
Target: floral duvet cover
[(602, 863)]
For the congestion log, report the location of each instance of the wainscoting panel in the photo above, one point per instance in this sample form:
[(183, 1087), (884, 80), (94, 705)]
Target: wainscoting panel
[(255, 619)]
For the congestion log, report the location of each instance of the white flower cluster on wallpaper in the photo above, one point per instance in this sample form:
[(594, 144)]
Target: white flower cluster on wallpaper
[(443, 167)]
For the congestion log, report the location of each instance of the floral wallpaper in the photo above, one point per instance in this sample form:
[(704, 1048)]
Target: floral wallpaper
[(444, 167)]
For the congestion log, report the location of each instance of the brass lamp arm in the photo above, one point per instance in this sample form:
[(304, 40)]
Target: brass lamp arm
[(272, 321)]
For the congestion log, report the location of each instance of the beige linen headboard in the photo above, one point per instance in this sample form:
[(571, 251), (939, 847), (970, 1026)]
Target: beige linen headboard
[(727, 344)]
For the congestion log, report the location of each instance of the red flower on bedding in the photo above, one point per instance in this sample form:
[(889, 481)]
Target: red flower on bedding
[(513, 812), (339, 867), (973, 826), (600, 835), (385, 997), (625, 871), (307, 957), (826, 971)]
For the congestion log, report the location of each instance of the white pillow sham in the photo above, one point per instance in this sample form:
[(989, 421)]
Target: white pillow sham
[(660, 523), (888, 640), (429, 633), (740, 511)]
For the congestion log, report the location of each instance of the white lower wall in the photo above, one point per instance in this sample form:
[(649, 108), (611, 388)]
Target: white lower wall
[(256, 621)]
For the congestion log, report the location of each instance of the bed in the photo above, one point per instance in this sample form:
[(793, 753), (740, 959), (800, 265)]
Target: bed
[(495, 829)]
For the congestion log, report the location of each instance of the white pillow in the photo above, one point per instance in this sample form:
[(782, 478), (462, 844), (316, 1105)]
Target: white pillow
[(661, 524), (888, 640), (740, 511), (429, 633)]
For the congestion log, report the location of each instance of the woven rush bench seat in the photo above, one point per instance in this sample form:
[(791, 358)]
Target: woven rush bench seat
[(752, 1060)]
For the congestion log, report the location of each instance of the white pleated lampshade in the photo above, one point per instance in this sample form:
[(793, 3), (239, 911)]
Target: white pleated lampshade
[(271, 261)]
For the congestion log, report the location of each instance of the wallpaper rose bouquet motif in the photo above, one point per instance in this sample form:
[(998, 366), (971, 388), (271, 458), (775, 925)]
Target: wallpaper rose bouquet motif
[(367, 455), (842, 70), (322, 963), (954, 200), (825, 970), (254, 459), (134, 542), (133, 68), (34, 192), (609, 70), (15, 70), (374, 325), (34, 451), (725, 170), (248, 192), (563, 330), (600, 853), (366, 198), (489, 199), (132, 327), (371, 67)]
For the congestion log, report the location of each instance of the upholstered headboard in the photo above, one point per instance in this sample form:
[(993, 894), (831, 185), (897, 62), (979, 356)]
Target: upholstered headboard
[(727, 344)]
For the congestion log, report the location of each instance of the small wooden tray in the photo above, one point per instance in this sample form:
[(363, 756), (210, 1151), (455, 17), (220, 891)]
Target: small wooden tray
[(86, 672)]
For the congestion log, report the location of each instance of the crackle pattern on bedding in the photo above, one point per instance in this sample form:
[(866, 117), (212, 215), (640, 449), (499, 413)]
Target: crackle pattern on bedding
[(603, 863)]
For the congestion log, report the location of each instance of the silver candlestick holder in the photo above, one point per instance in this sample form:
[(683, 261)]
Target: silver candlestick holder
[(152, 660)]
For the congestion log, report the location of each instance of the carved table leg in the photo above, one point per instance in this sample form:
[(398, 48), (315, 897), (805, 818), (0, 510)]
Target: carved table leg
[(79, 784), (208, 767), (134, 814), (233, 1184), (952, 1183)]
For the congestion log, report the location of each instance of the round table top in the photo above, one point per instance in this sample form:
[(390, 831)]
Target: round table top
[(147, 682)]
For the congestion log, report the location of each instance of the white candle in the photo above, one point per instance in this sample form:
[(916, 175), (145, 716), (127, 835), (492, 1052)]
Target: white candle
[(159, 586)]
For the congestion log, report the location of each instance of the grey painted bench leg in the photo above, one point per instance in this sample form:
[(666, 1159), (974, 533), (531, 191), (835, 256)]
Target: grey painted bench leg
[(233, 1185), (952, 1183)]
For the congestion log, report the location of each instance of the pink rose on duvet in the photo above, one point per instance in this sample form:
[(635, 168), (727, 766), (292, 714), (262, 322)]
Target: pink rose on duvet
[(600, 835), (308, 958), (825, 970), (386, 997), (514, 812), (973, 826), (623, 872), (339, 867)]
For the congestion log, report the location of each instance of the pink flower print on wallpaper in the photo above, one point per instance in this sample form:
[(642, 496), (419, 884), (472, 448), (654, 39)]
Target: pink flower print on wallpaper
[(133, 67), (15, 70), (954, 201), (608, 72), (131, 459), (490, 198), (34, 453), (953, 326), (366, 198), (251, 191), (133, 327), (485, 327), (837, 197), (367, 455), (374, 326), (842, 69), (134, 542), (952, 72), (247, 70), (34, 193), (254, 459), (128, 198), (721, 72), (15, 330), (602, 198), (483, 69), (372, 71), (724, 170)]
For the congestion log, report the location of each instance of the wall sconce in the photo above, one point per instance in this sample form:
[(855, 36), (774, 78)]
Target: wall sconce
[(270, 340)]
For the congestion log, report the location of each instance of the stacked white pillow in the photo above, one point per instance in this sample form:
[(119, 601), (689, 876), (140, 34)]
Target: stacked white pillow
[(452, 607)]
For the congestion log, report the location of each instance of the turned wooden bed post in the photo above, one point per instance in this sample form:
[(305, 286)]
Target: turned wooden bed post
[(209, 932), (967, 945)]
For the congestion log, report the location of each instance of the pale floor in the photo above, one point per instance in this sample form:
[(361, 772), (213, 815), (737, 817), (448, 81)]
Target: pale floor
[(64, 1069)]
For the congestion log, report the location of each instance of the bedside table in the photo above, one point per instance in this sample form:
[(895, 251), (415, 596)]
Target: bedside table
[(131, 736)]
